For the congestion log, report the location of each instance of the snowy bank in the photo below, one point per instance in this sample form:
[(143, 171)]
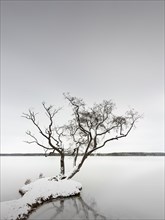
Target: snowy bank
[(36, 193)]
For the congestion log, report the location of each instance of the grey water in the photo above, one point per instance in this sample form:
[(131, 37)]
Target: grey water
[(113, 187)]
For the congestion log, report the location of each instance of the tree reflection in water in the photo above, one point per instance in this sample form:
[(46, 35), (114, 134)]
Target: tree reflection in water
[(68, 208)]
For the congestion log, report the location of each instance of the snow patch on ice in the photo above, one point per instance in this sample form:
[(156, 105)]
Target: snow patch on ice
[(36, 193)]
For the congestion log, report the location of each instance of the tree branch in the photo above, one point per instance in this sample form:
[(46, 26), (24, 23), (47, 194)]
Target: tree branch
[(76, 103), (36, 141), (111, 139), (32, 116)]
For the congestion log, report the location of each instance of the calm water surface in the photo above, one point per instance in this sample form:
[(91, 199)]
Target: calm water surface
[(114, 187)]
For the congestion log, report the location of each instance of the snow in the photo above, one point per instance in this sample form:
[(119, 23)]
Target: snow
[(35, 193)]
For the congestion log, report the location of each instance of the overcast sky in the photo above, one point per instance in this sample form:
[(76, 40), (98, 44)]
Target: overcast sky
[(93, 49)]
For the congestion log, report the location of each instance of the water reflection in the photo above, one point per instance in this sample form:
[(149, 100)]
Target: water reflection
[(69, 208)]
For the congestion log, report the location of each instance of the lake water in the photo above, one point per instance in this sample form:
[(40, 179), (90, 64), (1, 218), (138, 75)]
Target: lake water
[(129, 188)]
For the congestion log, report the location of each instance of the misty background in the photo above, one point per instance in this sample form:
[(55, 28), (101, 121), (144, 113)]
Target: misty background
[(93, 49)]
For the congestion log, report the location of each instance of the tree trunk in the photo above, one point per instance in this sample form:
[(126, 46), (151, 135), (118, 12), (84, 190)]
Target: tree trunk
[(76, 169), (62, 164)]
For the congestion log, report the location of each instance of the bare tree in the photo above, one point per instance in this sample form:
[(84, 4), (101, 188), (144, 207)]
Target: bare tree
[(92, 128), (52, 134), (89, 130)]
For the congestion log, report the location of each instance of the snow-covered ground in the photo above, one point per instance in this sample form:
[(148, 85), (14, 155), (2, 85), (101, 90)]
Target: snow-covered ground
[(36, 193)]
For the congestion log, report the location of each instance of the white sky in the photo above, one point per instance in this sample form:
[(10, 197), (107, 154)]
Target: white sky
[(93, 49)]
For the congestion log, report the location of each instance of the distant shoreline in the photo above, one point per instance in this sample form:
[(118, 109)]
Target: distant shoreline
[(97, 154)]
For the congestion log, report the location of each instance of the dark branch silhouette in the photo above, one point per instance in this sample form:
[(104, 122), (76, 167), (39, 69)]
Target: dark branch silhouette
[(89, 130), (92, 128), (52, 134)]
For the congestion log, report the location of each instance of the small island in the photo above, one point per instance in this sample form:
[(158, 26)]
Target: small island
[(35, 194)]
